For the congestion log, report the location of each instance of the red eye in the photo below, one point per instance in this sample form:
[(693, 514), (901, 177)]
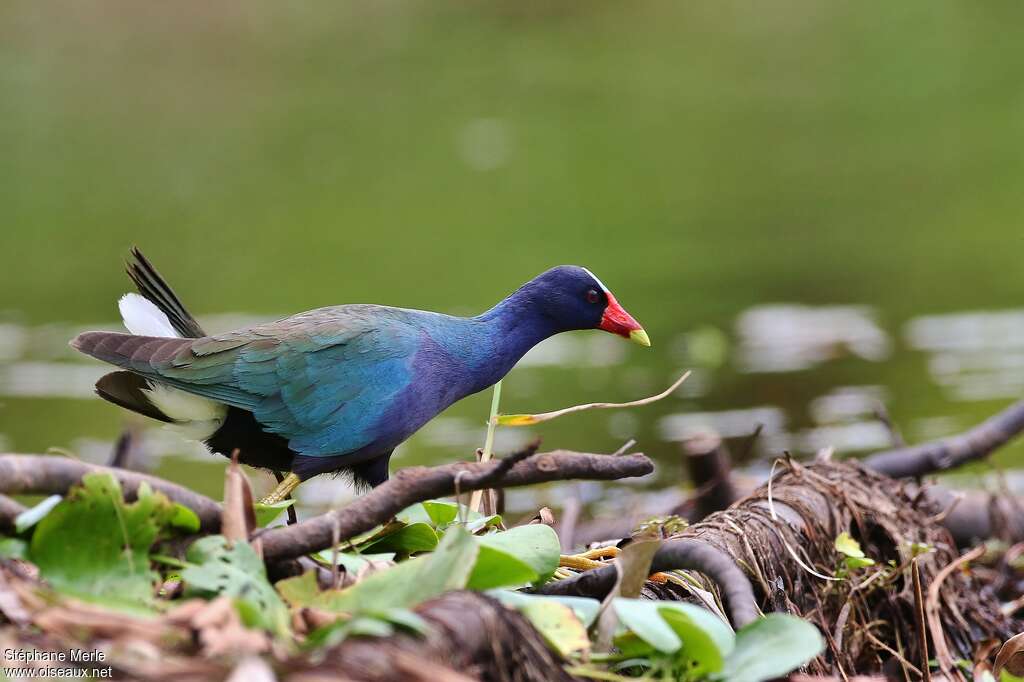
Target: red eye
[(593, 296)]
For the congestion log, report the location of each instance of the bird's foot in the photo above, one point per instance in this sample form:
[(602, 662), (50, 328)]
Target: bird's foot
[(283, 489)]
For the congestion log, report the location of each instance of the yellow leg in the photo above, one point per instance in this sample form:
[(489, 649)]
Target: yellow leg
[(283, 489)]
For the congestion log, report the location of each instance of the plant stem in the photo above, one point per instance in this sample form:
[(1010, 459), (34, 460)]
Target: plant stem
[(492, 423)]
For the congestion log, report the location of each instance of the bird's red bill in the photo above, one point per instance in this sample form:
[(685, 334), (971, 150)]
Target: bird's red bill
[(617, 321)]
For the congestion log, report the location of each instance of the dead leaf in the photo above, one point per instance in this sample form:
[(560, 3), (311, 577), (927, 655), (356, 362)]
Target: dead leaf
[(221, 631), (632, 566), (11, 605), (1011, 657), (252, 669), (238, 520)]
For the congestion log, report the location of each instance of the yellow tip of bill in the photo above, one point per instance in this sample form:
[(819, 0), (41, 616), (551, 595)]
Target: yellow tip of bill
[(640, 336)]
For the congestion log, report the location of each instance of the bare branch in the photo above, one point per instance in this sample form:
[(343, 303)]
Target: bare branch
[(948, 453), (675, 555), (48, 475), (416, 484), (9, 510)]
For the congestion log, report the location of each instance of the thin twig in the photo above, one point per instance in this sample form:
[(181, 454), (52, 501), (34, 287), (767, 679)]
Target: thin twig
[(922, 626), (946, 662), (527, 419)]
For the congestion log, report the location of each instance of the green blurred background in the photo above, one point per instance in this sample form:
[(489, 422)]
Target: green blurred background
[(816, 206)]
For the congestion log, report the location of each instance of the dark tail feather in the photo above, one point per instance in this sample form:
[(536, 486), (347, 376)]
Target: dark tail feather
[(125, 389), (152, 286), (138, 353)]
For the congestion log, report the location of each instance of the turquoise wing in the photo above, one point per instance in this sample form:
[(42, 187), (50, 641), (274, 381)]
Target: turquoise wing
[(321, 379)]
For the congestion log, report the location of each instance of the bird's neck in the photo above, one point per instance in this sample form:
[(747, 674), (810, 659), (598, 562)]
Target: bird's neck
[(510, 328)]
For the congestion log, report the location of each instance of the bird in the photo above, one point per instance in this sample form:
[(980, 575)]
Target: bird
[(330, 390)]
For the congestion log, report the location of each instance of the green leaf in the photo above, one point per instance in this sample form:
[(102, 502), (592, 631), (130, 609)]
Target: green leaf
[(478, 524), (706, 639), (96, 547), (415, 513), (416, 537), (268, 513), (404, 618), (184, 519), (31, 517), (300, 590), (847, 545), (335, 633), (771, 647), (559, 626), (352, 562), (410, 582), (585, 608), (441, 513), (641, 617), (521, 555), (689, 633), (858, 562), (13, 548), (237, 571)]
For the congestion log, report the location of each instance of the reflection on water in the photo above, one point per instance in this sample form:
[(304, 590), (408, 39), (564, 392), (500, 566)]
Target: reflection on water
[(973, 356), (827, 371), (785, 338)]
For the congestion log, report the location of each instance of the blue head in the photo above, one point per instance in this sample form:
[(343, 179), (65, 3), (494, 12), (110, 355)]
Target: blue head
[(570, 297)]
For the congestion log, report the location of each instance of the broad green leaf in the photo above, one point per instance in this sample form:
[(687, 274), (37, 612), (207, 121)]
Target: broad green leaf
[(641, 617), (518, 556), (410, 582), (415, 513), (559, 626), (96, 547), (688, 632), (771, 647), (483, 522), (268, 513), (184, 519), (34, 515), (847, 545), (416, 537), (706, 639), (442, 513), (630, 644), (858, 562), (300, 590), (236, 571), (585, 608), (496, 568)]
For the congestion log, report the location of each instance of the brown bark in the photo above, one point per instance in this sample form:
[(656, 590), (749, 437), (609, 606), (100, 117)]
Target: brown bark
[(948, 453), (472, 637), (416, 484), (9, 510), (48, 475), (672, 556), (809, 506)]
